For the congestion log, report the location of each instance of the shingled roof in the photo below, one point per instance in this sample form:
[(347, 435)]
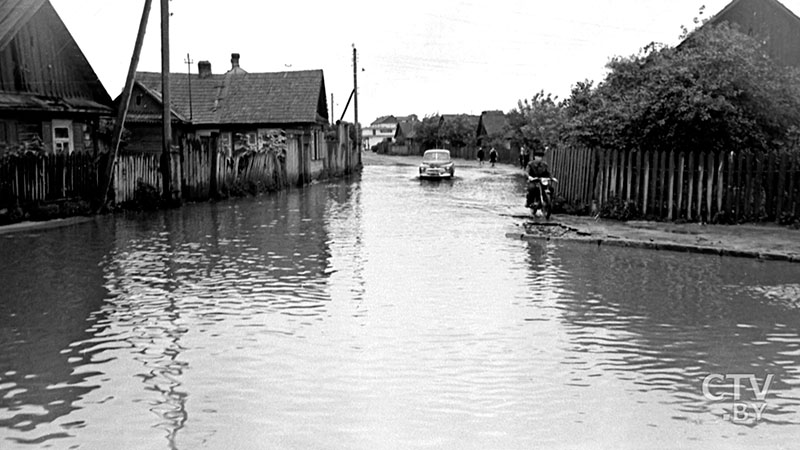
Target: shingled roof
[(279, 98), (492, 122), (407, 129)]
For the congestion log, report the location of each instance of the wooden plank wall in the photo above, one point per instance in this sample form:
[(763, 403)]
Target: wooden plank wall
[(293, 159), (692, 186)]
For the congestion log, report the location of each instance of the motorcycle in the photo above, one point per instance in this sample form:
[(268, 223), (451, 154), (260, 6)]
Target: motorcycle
[(544, 204)]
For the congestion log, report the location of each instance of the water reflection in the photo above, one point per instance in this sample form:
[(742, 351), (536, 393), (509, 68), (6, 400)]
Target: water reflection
[(228, 269), (379, 312), (664, 321), (48, 292)]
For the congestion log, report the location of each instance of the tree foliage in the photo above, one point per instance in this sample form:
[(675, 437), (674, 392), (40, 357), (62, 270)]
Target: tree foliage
[(456, 131), (716, 91), (538, 123)]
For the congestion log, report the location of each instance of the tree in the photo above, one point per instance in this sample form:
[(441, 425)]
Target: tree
[(455, 131), (716, 91), (538, 123)]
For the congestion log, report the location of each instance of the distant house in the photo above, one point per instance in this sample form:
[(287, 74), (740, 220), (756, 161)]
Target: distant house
[(240, 111), (770, 22), (406, 131), (50, 97), (405, 137), (492, 125), (382, 128)]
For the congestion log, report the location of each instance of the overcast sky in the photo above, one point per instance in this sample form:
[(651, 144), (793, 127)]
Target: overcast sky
[(418, 56)]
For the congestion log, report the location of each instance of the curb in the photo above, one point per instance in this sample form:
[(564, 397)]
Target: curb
[(44, 225), (668, 246)]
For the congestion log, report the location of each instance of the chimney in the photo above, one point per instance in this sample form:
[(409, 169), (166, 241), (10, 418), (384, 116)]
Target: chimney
[(204, 69), (234, 61)]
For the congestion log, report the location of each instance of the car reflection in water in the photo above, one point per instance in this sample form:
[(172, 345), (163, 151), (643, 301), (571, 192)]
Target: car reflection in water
[(436, 163)]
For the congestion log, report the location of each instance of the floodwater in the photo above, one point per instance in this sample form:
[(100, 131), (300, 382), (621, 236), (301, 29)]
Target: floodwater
[(384, 312)]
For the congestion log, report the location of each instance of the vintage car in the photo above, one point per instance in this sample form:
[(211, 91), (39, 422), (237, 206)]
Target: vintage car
[(436, 163)]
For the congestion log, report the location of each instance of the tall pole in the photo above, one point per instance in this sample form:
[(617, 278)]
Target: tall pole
[(355, 102), (332, 115), (166, 138), (124, 103), (189, 62)]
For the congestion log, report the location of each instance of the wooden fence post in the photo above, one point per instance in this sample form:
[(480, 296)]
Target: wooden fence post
[(690, 187), (710, 186), (662, 175), (758, 187), (793, 167), (655, 172), (670, 196), (646, 183), (701, 165), (781, 193)]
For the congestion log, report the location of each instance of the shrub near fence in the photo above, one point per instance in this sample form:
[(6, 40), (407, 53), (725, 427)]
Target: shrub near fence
[(692, 186)]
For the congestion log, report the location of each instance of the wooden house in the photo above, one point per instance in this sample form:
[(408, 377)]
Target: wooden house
[(405, 138), (770, 22), (240, 111), (50, 98)]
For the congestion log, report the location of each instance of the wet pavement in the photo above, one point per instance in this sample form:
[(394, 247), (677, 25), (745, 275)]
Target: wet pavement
[(383, 311)]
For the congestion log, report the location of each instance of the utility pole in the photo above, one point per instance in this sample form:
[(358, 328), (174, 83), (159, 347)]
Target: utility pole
[(355, 102), (332, 115), (122, 113), (189, 63), (166, 138)]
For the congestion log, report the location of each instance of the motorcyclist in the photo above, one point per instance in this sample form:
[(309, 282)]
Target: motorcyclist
[(537, 168)]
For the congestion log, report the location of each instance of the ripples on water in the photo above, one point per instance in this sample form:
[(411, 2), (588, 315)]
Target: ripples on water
[(379, 312)]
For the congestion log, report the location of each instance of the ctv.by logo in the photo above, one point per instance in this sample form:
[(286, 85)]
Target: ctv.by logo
[(741, 410)]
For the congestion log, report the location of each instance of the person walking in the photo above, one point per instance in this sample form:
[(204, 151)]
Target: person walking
[(522, 157), (525, 157), (493, 156), (480, 156)]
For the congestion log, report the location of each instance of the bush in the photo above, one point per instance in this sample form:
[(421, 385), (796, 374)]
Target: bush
[(574, 208), (619, 209), (146, 196)]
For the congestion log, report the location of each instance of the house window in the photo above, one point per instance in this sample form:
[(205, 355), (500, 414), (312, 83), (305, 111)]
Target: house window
[(138, 99), (62, 136)]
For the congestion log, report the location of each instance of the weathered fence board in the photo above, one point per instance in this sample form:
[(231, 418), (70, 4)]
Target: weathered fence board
[(672, 185)]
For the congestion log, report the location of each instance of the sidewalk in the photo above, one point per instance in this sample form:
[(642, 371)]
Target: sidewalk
[(763, 241)]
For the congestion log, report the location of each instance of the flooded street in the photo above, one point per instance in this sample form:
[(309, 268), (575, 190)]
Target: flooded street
[(383, 312)]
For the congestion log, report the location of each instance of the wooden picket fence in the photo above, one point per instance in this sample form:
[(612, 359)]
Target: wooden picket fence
[(132, 169), (29, 178), (196, 166), (575, 170), (196, 162), (676, 185)]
